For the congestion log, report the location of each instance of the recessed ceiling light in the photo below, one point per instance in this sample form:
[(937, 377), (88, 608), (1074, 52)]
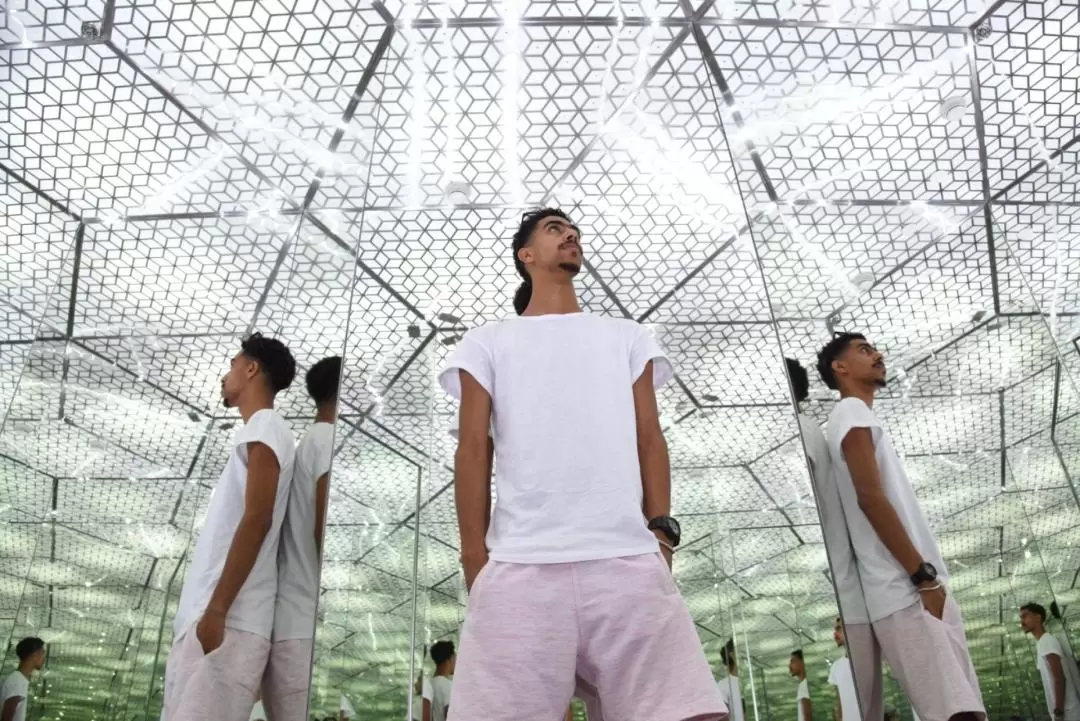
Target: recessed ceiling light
[(954, 108), (458, 193), (863, 281)]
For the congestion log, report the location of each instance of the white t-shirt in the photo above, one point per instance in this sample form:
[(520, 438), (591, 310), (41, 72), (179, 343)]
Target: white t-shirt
[(886, 585), (346, 707), (298, 558), (1048, 645), (840, 676), (834, 527), (569, 481), (732, 695), (258, 713), (253, 609), (16, 686), (437, 691), (803, 692)]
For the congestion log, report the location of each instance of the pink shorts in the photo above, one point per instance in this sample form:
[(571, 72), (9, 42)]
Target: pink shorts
[(930, 660), (534, 634), (220, 685), (286, 680)]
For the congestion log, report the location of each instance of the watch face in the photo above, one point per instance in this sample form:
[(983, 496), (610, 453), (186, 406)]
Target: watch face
[(675, 526)]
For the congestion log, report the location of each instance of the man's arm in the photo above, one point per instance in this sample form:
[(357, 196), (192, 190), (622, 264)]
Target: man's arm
[(322, 489), (472, 479), (652, 451), (804, 704), (839, 707), (1057, 672), (259, 496), (427, 710), (10, 707)]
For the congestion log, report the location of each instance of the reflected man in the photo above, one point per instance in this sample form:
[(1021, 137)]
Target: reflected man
[(226, 612), (858, 636), (578, 540), (15, 691), (288, 672), (797, 667), (728, 683), (915, 620), (437, 689), (841, 676), (1062, 697)]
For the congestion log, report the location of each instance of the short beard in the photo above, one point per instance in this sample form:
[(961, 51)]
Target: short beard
[(570, 268), (881, 383), (225, 402)]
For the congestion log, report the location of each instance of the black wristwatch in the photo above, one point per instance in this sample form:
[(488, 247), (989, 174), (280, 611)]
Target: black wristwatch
[(669, 527), (926, 574)]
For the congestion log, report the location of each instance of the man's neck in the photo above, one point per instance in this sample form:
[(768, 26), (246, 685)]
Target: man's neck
[(865, 393), (801, 676), (257, 401), (326, 414), (1038, 633), (26, 669), (442, 671), (551, 297), (733, 671)]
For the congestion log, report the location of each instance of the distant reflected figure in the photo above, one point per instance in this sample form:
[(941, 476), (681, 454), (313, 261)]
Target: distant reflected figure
[(1059, 686), (226, 613), (842, 677), (436, 690), (902, 574), (258, 712), (287, 678), (728, 683), (15, 691), (797, 667)]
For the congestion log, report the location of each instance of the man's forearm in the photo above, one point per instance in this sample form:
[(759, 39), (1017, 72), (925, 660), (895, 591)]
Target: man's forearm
[(244, 549), (1059, 688), (655, 477), (472, 494), (889, 528)]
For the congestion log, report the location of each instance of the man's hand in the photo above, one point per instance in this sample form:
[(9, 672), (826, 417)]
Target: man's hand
[(665, 549), (933, 598), (210, 630), (472, 564)]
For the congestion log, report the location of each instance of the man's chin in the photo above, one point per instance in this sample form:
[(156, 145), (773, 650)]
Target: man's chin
[(571, 268), (881, 382)]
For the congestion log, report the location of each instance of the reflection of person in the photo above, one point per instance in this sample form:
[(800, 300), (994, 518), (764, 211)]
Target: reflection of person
[(258, 712), (1062, 697), (345, 709), (226, 611), (859, 637), (436, 690), (915, 620), (581, 455), (840, 676), (15, 691), (728, 683), (797, 667), (288, 672)]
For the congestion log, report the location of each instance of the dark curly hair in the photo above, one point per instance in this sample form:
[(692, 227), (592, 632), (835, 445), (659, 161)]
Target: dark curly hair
[(529, 221), (27, 647), (800, 379), (830, 352), (322, 380), (275, 360)]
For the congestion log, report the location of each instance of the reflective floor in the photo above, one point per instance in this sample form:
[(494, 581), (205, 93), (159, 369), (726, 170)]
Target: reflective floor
[(750, 177)]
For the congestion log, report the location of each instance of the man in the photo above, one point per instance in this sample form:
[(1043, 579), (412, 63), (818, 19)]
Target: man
[(15, 691), (436, 691), (858, 636), (903, 576), (797, 668), (728, 683), (841, 676), (1062, 697), (288, 672), (567, 565), (226, 612), (258, 711)]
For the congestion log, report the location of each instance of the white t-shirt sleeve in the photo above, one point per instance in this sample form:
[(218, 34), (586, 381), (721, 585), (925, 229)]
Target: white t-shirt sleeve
[(15, 686), (1049, 646), (472, 355), (427, 692), (645, 349), (833, 680), (804, 691), (268, 428), (322, 452), (852, 413)]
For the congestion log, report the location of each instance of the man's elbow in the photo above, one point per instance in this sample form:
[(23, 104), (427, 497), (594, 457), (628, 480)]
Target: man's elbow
[(471, 453), (651, 442), (259, 521)]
